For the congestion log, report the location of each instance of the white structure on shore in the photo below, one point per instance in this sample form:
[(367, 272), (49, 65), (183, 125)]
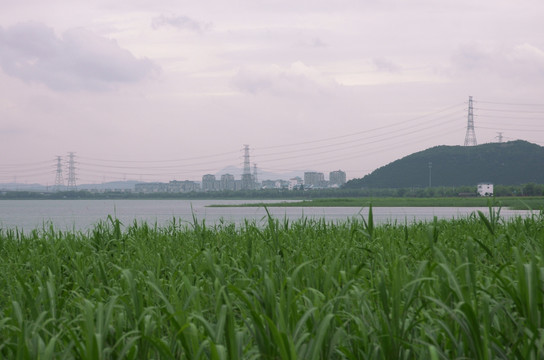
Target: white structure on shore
[(485, 189)]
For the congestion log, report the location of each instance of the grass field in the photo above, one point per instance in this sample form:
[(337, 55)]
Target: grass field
[(468, 289), (516, 203)]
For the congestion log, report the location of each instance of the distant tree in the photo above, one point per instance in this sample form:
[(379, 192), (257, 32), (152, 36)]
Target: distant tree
[(401, 192), (532, 189)]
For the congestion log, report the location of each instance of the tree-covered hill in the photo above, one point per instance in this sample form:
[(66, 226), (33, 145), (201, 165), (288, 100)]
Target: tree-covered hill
[(510, 163)]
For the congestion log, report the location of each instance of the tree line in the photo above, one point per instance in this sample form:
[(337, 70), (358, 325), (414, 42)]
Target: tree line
[(529, 189)]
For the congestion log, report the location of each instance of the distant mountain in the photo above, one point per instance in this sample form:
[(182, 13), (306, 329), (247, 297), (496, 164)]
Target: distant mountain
[(511, 163), (112, 185), (22, 187)]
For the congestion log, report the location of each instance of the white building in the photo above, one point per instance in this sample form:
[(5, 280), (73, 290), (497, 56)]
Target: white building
[(485, 189), (295, 183), (153, 187), (209, 183), (228, 182), (337, 178), (314, 179)]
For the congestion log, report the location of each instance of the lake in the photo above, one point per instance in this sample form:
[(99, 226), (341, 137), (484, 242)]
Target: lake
[(83, 214)]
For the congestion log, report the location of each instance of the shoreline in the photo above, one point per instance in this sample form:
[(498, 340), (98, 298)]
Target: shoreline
[(515, 203)]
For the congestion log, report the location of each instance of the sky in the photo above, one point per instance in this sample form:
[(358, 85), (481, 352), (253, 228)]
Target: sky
[(160, 90)]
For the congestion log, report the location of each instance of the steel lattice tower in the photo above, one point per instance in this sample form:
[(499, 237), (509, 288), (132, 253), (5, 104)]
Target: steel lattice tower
[(71, 172), (59, 181), (470, 137), (247, 180), (255, 181)]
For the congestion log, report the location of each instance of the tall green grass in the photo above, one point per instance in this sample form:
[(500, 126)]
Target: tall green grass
[(470, 288)]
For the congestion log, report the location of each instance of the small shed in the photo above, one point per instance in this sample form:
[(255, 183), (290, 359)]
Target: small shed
[(485, 189)]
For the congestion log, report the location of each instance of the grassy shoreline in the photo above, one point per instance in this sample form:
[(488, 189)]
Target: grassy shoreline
[(516, 203)]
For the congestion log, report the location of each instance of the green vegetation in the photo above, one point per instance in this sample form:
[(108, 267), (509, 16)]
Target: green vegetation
[(516, 203), (529, 189), (469, 288), (511, 163)]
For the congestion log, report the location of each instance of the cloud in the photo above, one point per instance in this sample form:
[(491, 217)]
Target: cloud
[(523, 62), (179, 22), (79, 60), (313, 43), (297, 78), (385, 65)]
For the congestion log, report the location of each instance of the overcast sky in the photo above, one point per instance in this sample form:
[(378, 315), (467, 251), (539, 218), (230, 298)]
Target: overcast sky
[(173, 89)]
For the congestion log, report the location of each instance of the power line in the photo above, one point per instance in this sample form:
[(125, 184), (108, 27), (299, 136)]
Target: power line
[(174, 169), (362, 153), (511, 129), (509, 123), (506, 103), (350, 148), (46, 170), (362, 131), (358, 144), (364, 140), (223, 154), (511, 111), (517, 118), (41, 163)]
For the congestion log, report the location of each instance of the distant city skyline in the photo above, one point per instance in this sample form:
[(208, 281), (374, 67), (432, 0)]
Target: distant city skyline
[(65, 172), (71, 170), (172, 89)]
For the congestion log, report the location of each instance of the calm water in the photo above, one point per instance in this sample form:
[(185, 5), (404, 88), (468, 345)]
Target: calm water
[(82, 214)]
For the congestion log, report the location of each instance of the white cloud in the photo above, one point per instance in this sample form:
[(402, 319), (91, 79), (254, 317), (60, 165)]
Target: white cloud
[(385, 65), (298, 78), (313, 43), (179, 22), (522, 62), (79, 60), (530, 59)]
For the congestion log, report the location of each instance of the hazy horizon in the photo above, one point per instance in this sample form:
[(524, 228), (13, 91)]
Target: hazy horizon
[(162, 90)]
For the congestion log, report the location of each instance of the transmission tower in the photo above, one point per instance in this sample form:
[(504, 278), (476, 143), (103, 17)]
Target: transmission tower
[(247, 180), (71, 172), (470, 137), (59, 181), (255, 181)]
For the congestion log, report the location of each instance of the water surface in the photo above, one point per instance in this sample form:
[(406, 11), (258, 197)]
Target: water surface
[(83, 214)]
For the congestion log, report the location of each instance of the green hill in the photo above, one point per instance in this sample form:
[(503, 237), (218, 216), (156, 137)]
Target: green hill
[(511, 163)]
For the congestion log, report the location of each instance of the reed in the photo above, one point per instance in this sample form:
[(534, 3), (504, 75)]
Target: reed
[(308, 289)]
